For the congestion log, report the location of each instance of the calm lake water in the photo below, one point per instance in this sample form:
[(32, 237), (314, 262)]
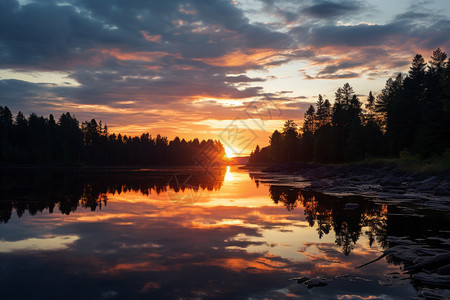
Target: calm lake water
[(184, 233)]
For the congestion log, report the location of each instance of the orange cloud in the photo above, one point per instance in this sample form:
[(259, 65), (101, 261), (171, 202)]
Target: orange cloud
[(151, 38), (142, 56), (240, 58)]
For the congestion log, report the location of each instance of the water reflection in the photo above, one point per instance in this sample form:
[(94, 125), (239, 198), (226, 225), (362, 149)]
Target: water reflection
[(327, 212), (36, 190), (236, 242)]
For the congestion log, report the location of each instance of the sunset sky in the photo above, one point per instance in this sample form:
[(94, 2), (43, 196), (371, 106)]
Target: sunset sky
[(223, 69)]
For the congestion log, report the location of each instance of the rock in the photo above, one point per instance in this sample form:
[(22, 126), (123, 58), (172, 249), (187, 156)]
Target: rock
[(432, 279), (351, 206), (391, 180), (393, 190), (439, 191), (428, 186), (316, 282), (300, 279), (389, 282), (444, 270), (430, 179), (432, 293), (399, 241), (314, 173), (317, 184), (432, 263), (338, 182)]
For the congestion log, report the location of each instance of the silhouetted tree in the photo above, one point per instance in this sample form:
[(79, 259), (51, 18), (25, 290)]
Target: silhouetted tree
[(276, 146), (291, 140), (43, 140)]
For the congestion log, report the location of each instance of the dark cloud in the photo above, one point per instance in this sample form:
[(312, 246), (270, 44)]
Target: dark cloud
[(419, 29), (331, 9), (46, 35), (353, 35), (21, 95), (148, 52)]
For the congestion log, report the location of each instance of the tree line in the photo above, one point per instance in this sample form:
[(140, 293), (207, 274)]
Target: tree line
[(411, 115), (65, 141)]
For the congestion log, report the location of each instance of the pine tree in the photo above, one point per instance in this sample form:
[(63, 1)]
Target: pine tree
[(309, 123)]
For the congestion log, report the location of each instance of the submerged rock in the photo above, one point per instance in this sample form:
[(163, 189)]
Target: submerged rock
[(390, 282), (434, 294), (316, 282), (432, 263), (432, 279)]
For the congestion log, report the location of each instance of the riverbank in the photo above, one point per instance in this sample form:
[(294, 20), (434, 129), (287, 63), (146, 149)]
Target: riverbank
[(380, 180), (414, 194)]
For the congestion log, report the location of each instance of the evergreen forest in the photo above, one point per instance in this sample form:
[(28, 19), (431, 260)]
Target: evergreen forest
[(410, 116), (39, 140)]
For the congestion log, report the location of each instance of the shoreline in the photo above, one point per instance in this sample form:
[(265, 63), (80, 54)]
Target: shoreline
[(379, 181)]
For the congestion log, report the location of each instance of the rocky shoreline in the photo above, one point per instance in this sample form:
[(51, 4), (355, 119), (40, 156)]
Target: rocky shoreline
[(426, 265), (374, 180)]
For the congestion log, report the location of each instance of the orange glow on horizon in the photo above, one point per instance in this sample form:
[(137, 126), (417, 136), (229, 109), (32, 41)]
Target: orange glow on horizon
[(229, 153)]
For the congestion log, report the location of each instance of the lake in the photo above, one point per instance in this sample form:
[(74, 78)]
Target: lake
[(189, 234)]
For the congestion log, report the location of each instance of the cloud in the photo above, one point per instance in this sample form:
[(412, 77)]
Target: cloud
[(356, 63), (350, 36), (346, 75), (332, 9), (242, 78), (147, 58)]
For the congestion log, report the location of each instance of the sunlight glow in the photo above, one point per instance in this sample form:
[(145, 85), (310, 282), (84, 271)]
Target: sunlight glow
[(229, 153)]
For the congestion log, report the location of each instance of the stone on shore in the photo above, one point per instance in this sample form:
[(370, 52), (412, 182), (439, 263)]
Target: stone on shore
[(440, 191), (391, 180)]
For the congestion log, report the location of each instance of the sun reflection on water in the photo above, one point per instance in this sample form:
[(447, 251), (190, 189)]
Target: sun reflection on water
[(266, 233), (228, 175)]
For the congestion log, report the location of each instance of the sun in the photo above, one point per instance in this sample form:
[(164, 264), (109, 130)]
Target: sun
[(229, 153)]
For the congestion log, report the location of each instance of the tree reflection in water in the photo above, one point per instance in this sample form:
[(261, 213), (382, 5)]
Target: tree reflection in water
[(328, 212), (223, 247), (35, 190)]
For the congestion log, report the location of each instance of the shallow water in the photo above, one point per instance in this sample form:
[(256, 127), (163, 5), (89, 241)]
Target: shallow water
[(183, 233)]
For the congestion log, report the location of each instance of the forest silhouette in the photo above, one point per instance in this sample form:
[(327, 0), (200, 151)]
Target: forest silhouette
[(44, 140), (411, 115)]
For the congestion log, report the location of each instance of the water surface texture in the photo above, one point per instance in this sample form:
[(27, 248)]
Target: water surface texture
[(183, 233)]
